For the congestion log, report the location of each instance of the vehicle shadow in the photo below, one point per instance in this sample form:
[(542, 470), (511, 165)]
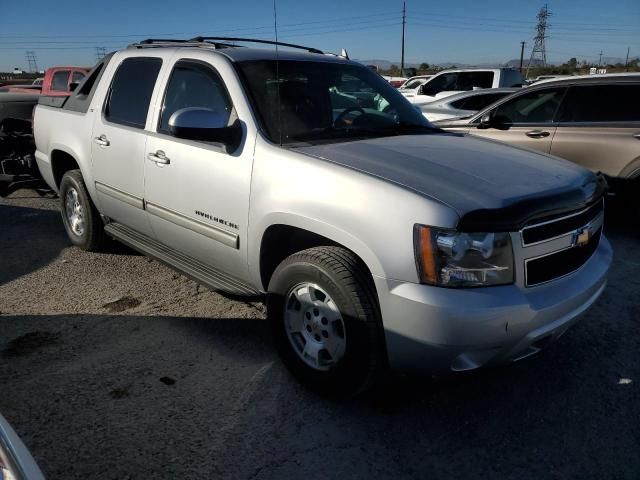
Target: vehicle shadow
[(32, 238)]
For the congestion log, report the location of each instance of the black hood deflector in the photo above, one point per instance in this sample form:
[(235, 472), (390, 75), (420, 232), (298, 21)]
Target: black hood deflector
[(515, 216)]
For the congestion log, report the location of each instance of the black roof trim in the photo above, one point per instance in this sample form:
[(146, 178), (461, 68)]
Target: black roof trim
[(605, 80), (216, 42)]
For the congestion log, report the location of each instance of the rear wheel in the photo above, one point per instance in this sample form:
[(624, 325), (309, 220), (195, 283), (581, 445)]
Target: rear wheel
[(326, 322), (80, 217)]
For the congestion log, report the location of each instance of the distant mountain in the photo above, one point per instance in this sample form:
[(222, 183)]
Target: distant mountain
[(386, 64)]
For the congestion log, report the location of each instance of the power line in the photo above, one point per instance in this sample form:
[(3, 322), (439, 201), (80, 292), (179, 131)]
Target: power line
[(333, 21), (510, 21)]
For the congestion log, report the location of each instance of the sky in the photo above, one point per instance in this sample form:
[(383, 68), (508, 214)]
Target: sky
[(461, 31)]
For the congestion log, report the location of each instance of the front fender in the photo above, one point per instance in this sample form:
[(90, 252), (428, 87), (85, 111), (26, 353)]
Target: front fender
[(347, 240)]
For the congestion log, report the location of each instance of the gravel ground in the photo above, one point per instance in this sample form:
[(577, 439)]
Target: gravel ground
[(113, 366)]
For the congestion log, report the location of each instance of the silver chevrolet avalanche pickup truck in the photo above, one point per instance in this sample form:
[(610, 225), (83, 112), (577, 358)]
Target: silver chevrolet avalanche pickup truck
[(379, 241)]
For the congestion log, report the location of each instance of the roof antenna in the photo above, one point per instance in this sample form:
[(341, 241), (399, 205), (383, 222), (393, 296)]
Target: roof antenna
[(275, 27)]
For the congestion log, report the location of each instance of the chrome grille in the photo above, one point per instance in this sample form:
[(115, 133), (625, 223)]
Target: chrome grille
[(559, 246)]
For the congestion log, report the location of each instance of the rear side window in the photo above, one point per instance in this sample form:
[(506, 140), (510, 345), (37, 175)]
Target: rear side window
[(441, 83), (60, 81), (193, 84), (130, 92), (538, 106), (602, 103)]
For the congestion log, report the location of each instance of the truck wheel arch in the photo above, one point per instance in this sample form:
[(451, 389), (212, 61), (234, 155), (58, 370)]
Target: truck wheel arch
[(279, 240), (61, 162)]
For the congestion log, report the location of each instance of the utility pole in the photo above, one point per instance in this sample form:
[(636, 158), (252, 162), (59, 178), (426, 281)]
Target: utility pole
[(539, 49), (626, 62), (522, 44), (404, 16), (600, 59)]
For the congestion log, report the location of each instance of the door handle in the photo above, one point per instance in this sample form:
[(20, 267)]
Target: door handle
[(102, 140), (159, 157), (636, 135), (537, 134)]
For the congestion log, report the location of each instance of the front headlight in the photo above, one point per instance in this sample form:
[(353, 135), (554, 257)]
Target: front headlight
[(456, 259)]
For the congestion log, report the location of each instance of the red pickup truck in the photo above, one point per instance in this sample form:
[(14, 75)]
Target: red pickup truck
[(57, 82)]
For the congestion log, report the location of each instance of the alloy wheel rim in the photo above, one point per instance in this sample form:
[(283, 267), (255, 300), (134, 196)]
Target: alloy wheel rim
[(74, 212), (314, 326)]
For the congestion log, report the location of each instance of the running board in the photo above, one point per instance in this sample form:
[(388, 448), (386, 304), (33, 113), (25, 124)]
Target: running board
[(189, 266)]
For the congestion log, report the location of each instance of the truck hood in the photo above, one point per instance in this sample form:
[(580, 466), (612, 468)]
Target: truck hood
[(467, 173)]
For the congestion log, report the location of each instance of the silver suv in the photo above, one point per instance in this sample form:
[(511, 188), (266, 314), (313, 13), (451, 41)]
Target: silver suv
[(378, 240)]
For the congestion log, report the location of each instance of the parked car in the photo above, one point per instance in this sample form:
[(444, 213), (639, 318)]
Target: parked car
[(450, 82), (17, 106), (16, 463), (377, 240), (18, 168), (539, 78), (57, 82), (591, 120), (410, 87), (465, 104), (395, 81)]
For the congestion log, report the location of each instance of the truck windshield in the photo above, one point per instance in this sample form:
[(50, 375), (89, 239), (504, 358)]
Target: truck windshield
[(326, 101)]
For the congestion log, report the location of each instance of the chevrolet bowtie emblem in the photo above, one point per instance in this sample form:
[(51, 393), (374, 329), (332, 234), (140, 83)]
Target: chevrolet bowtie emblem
[(582, 236)]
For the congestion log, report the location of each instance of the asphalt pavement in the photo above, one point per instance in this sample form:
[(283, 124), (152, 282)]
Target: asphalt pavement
[(114, 366)]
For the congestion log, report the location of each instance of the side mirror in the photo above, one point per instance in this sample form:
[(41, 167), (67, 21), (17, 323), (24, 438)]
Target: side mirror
[(73, 86), (486, 121), (15, 460), (426, 89), (202, 124)]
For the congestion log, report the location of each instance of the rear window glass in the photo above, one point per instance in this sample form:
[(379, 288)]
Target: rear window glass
[(60, 80), (130, 92), (602, 103)]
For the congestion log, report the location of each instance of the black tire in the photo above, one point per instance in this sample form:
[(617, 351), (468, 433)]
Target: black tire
[(92, 237), (342, 275)]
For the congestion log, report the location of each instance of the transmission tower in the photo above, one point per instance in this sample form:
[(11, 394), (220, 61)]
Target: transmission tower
[(31, 59), (539, 52), (100, 53)]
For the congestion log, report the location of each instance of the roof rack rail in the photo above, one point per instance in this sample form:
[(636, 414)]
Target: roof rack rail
[(161, 42), (150, 41), (255, 40)]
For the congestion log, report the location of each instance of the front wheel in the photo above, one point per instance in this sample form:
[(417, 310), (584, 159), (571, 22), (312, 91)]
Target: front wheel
[(326, 321), (80, 217)]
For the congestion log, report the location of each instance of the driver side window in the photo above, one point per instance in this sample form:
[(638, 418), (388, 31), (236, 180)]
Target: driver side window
[(539, 106), (193, 84), (442, 83)]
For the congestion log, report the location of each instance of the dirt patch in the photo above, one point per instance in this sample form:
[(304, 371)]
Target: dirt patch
[(122, 304), (167, 380), (120, 392), (29, 343)]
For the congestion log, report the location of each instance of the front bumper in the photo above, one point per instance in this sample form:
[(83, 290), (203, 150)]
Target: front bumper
[(438, 330)]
